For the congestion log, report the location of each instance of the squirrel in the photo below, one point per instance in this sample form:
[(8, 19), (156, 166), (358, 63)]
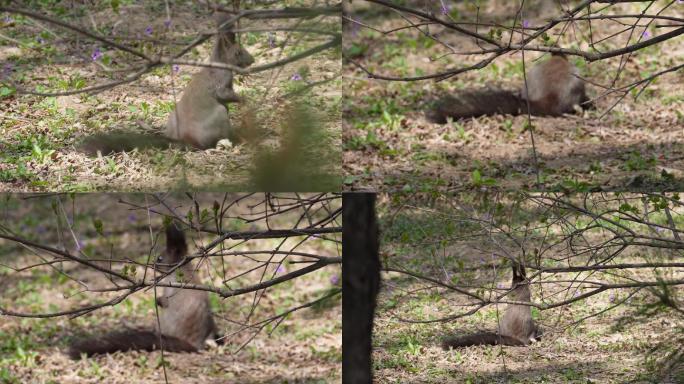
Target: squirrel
[(200, 118), (185, 319), (516, 326), (552, 88)]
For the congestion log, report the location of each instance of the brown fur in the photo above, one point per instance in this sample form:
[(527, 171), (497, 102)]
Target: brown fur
[(516, 327), (200, 118), (476, 103), (127, 340), (186, 314), (185, 319), (552, 89)]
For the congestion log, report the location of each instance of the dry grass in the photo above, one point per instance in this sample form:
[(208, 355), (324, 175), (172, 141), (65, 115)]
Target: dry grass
[(606, 338), (390, 145), (39, 134), (304, 348)]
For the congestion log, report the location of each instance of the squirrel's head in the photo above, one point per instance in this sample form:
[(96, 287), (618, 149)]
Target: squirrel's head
[(176, 248), (227, 50), (518, 272)]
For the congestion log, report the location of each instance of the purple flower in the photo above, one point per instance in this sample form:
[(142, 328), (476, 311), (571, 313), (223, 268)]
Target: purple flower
[(7, 19), (296, 77), (280, 269), (175, 68), (167, 24), (6, 71), (41, 229), (355, 27), (148, 31), (97, 54), (444, 7), (526, 24), (271, 39), (680, 1), (79, 245), (132, 217), (334, 280), (645, 35), (611, 297), (500, 285)]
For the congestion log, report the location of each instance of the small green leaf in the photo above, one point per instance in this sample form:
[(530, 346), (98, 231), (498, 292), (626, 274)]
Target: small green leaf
[(97, 224)]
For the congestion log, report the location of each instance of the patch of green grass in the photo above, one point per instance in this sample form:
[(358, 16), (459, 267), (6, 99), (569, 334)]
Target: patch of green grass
[(333, 355), (396, 362), (6, 377), (18, 347), (636, 162)]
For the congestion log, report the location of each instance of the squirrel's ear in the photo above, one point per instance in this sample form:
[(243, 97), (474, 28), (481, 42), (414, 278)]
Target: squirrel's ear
[(175, 240), (220, 18)]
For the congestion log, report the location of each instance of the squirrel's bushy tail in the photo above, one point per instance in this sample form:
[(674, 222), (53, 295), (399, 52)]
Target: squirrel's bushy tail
[(107, 143), (130, 339), (482, 338), (483, 102)]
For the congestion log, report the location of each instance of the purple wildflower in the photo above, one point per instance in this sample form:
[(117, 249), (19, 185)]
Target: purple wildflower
[(148, 31), (280, 269), (132, 218), (645, 34), (500, 285), (444, 7), (7, 19), (167, 23), (175, 68), (97, 54), (41, 229), (271, 39), (680, 1), (334, 280), (355, 27), (611, 297), (296, 77), (526, 24), (79, 245), (6, 71)]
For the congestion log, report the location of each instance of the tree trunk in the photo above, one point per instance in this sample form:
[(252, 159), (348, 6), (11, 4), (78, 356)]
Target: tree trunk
[(360, 284)]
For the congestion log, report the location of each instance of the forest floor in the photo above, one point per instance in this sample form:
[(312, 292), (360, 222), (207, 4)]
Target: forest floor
[(390, 145), (39, 136), (617, 336), (306, 347)]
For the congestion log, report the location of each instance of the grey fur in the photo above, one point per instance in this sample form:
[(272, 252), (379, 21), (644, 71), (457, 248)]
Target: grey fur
[(185, 318), (200, 118), (552, 89), (516, 327)]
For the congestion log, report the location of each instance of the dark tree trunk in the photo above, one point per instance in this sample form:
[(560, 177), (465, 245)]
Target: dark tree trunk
[(360, 284)]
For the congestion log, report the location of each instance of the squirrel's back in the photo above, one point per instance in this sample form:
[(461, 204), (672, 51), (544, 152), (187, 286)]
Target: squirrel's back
[(552, 88), (185, 318)]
